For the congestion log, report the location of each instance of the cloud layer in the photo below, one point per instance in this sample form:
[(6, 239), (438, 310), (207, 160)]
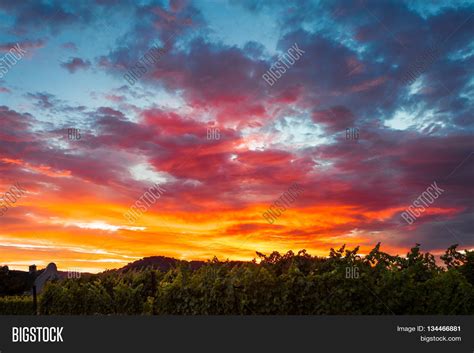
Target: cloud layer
[(201, 121)]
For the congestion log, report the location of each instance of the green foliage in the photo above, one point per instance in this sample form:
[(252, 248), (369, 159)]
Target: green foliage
[(343, 283), (16, 305)]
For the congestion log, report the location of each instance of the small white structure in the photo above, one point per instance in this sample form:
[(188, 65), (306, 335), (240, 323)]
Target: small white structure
[(50, 273)]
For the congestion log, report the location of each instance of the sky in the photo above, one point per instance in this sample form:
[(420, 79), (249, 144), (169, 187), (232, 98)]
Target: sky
[(348, 77)]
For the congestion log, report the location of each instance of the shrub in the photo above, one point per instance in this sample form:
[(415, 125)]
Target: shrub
[(16, 305)]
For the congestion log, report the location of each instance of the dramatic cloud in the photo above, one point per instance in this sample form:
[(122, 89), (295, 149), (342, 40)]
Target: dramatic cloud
[(172, 93)]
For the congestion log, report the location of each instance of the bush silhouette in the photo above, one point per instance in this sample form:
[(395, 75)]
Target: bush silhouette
[(297, 284)]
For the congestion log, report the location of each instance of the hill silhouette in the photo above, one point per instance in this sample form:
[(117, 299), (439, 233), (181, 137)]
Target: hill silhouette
[(164, 264), (161, 263)]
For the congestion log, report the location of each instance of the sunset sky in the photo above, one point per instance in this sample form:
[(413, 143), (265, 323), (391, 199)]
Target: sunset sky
[(155, 131)]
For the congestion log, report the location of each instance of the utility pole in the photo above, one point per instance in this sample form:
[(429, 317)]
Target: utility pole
[(35, 301)]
